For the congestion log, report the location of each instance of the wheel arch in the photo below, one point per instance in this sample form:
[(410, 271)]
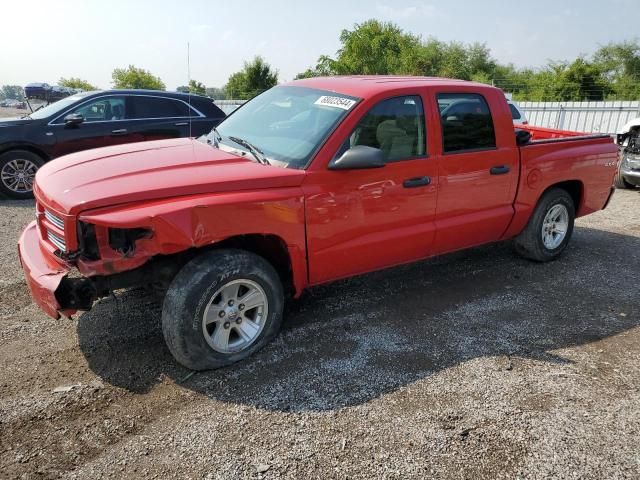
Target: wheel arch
[(26, 147), (270, 247), (575, 188)]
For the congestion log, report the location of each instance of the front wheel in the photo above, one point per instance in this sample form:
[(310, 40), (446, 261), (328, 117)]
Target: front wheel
[(222, 307), (17, 172), (549, 229)]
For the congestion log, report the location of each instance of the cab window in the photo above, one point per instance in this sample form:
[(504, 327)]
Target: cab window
[(466, 122), (395, 126), (102, 109)]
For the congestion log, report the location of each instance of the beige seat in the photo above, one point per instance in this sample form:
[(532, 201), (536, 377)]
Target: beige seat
[(398, 137)]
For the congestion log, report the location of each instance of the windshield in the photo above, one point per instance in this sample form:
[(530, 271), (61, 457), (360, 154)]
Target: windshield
[(286, 123), (55, 107)]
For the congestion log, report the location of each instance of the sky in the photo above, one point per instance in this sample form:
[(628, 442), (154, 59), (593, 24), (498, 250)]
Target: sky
[(41, 41)]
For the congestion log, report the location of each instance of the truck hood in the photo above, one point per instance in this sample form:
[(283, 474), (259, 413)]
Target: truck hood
[(151, 170)]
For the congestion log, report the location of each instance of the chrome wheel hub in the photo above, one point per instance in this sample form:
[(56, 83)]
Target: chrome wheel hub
[(235, 316), (555, 226), (18, 174)]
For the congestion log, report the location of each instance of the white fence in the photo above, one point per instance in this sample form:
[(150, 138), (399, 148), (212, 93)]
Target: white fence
[(228, 106), (603, 117)]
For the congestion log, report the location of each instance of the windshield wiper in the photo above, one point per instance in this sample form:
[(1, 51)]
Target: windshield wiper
[(255, 151)]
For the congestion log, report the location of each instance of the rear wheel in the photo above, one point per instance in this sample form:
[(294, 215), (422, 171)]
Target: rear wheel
[(222, 307), (549, 229), (17, 172)]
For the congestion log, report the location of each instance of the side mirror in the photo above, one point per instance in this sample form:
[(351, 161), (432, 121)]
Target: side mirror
[(73, 119), (359, 157)]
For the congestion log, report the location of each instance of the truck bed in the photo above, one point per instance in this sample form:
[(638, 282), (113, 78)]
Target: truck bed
[(544, 135)]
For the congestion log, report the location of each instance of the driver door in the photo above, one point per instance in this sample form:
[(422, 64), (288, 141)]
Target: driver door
[(363, 220)]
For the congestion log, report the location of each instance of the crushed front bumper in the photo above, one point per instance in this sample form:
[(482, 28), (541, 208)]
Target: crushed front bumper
[(42, 273)]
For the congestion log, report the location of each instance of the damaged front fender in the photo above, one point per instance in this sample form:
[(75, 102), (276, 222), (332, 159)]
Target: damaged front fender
[(172, 226)]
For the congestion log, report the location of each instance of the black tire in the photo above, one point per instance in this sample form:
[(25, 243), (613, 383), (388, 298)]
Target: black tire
[(5, 167), (529, 243), (191, 292)]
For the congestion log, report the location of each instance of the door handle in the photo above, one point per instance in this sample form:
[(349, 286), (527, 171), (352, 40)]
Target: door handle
[(181, 124), (416, 182), (499, 170), (120, 131)]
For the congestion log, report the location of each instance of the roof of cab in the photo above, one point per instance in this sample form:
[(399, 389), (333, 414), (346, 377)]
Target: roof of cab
[(367, 85)]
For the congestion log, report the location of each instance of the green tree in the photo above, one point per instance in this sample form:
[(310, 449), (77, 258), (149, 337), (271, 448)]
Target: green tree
[(216, 93), (197, 88), (256, 77), (371, 48), (132, 77), (620, 63), (382, 48), (375, 47), (13, 92), (73, 82)]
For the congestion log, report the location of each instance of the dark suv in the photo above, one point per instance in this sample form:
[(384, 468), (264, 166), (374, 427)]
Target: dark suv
[(96, 119)]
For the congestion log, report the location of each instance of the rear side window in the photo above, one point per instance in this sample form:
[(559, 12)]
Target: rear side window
[(207, 108), (515, 114), (155, 107), (395, 126), (466, 122)]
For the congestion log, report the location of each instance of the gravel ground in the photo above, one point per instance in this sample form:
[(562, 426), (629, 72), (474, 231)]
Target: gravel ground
[(473, 365), (13, 112)]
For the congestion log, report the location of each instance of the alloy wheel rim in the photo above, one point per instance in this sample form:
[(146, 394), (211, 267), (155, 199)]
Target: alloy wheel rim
[(18, 175), (555, 226), (235, 316)]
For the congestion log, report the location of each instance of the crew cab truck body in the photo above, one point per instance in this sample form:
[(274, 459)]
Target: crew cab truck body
[(310, 182)]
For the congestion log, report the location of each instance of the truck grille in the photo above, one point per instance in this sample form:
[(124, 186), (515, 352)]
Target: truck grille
[(57, 240), (52, 227), (53, 218)]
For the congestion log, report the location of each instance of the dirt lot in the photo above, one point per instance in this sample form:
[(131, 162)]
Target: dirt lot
[(474, 365), (12, 112)]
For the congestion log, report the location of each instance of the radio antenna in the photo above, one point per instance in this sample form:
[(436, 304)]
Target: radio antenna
[(189, 85)]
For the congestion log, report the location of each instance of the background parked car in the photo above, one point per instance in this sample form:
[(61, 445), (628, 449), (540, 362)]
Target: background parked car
[(96, 119), (517, 115), (628, 139)]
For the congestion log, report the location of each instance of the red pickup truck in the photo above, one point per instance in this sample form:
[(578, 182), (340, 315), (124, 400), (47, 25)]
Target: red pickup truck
[(312, 181)]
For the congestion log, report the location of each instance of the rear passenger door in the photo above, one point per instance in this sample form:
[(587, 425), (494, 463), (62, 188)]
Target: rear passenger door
[(156, 118), (477, 170)]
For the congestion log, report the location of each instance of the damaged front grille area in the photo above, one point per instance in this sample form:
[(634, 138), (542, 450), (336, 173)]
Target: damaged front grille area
[(57, 240)]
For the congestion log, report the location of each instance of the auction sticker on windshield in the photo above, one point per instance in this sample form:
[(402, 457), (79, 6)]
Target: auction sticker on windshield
[(338, 102)]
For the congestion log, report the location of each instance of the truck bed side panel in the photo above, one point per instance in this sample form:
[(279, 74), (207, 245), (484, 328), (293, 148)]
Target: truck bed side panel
[(591, 162)]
